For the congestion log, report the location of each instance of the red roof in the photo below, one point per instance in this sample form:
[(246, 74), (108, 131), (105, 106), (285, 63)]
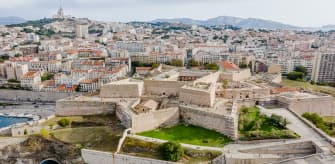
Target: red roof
[(284, 89), (228, 65)]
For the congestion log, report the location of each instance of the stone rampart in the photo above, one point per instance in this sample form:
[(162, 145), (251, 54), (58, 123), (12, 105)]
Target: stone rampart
[(80, 108), (198, 96), (131, 90), (168, 88), (224, 124), (154, 119), (98, 157)]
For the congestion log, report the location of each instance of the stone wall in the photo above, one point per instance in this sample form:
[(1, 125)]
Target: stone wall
[(98, 157), (80, 108), (168, 88), (224, 124), (124, 115), (22, 95), (323, 106), (197, 96), (154, 119), (118, 90), (211, 78), (20, 131), (248, 93)]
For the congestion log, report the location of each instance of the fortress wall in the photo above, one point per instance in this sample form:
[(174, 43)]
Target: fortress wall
[(169, 88), (220, 123), (154, 119), (241, 75), (79, 108), (211, 78), (99, 157), (121, 91), (324, 106), (244, 93), (197, 97)]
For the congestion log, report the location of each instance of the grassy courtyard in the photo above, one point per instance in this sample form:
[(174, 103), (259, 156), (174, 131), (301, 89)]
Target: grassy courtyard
[(146, 149), (255, 126), (189, 134), (97, 138)]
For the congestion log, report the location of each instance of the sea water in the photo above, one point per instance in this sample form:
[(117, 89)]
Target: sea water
[(7, 121)]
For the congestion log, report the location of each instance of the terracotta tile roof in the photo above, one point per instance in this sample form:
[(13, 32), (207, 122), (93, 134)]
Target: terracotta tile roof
[(143, 68), (284, 89), (29, 74), (21, 59), (228, 65)]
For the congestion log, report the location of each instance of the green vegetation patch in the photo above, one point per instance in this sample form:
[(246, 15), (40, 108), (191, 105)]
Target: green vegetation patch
[(152, 150), (326, 124), (189, 134), (308, 86), (97, 138), (255, 126)]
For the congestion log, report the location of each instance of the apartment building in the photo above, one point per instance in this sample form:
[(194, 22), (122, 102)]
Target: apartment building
[(31, 80), (324, 68)]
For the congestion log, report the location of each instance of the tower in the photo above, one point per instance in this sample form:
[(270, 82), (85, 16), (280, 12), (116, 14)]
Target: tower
[(60, 13)]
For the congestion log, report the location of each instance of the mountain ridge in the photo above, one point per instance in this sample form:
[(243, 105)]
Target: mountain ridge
[(245, 23), (11, 20)]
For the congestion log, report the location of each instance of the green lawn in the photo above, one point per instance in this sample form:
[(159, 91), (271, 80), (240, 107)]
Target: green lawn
[(98, 138), (255, 126), (330, 119), (189, 134), (146, 149)]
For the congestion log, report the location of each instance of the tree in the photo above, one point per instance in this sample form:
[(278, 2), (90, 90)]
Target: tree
[(177, 62), (193, 63), (172, 151), (243, 65), (224, 84), (155, 65), (301, 69), (47, 76), (212, 66), (278, 121), (64, 122), (295, 75), (25, 132)]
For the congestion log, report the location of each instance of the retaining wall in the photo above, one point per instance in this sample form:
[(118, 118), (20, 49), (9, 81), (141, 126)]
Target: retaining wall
[(80, 108), (154, 119), (98, 157), (221, 123)]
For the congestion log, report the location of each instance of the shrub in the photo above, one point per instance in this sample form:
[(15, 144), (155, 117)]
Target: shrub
[(64, 122), (177, 62), (295, 75), (212, 66), (171, 151), (277, 121), (44, 133)]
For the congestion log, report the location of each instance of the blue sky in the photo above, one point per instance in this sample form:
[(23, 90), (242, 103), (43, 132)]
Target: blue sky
[(295, 12)]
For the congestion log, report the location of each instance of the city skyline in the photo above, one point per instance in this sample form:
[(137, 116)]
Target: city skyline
[(298, 13)]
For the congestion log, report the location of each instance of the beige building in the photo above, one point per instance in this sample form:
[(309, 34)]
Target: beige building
[(274, 69), (31, 80), (14, 70)]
